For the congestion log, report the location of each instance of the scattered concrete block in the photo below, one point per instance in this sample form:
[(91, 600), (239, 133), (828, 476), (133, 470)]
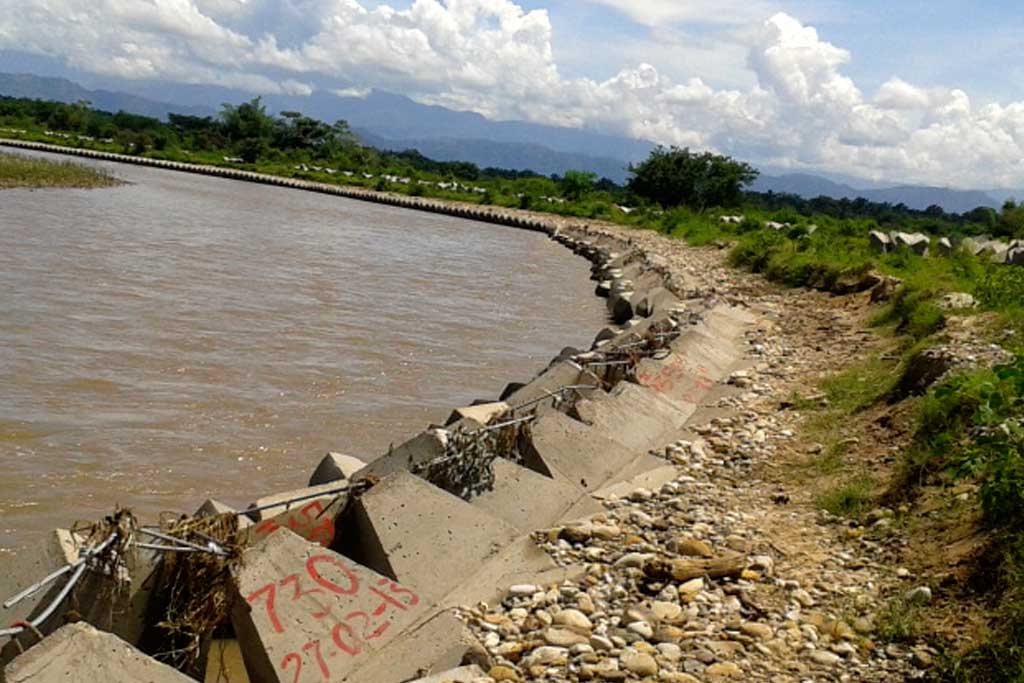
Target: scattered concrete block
[(301, 607), (917, 242), (416, 533), (335, 467), (1015, 257), (312, 518), (482, 413), (944, 247), (529, 501), (974, 246), (880, 242), (79, 652)]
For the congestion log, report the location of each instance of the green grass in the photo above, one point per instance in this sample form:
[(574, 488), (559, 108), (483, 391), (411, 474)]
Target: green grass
[(898, 622), (852, 498), (17, 171)]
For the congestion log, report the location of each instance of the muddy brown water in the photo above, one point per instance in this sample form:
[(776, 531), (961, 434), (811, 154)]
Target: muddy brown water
[(185, 337)]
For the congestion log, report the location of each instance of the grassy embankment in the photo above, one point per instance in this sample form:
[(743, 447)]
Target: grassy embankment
[(17, 171), (962, 441)]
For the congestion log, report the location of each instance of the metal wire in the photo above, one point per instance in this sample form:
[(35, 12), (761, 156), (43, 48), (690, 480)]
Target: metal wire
[(553, 394), (492, 428), (212, 547), (358, 486), (84, 556), (80, 566)]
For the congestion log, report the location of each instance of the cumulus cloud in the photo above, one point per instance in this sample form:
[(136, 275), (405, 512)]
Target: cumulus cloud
[(660, 12), (797, 108)]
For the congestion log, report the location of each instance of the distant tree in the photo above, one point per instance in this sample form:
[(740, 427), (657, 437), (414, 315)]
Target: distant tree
[(679, 177), (248, 127), (985, 216), (577, 184), (1011, 221)]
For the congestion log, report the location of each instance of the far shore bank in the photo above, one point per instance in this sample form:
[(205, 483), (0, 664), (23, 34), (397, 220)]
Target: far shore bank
[(516, 218), (20, 172)]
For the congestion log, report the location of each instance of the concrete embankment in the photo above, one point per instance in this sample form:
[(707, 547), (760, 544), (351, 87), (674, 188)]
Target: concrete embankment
[(355, 576), (487, 214)]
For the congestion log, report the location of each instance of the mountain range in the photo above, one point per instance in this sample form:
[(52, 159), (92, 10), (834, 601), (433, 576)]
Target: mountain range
[(396, 122), (914, 196)]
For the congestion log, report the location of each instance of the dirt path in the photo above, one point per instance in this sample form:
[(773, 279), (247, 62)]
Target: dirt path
[(806, 605)]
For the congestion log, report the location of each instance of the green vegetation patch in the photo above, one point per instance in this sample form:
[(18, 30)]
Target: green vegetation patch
[(18, 171)]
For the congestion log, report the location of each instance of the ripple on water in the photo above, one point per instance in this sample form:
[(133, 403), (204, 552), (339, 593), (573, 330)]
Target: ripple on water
[(186, 337)]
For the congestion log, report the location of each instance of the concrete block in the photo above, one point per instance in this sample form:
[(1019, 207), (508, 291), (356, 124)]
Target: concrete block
[(561, 374), (313, 518), (619, 307), (423, 447), (442, 643), (529, 501), (416, 533), (120, 610), (336, 467), (79, 652), (656, 300), (212, 508), (636, 417), (303, 608), (482, 413), (22, 569), (575, 451), (880, 242), (1015, 257)]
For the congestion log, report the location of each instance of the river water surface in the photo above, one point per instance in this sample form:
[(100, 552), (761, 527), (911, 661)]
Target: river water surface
[(184, 337)]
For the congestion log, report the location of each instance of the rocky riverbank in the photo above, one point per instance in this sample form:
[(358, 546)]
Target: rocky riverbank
[(803, 600), (661, 472)]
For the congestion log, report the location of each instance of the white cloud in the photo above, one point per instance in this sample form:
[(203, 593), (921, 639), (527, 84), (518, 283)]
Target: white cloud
[(794, 106), (660, 12)]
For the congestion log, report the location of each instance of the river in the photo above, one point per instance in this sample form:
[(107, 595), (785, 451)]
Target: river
[(184, 337)]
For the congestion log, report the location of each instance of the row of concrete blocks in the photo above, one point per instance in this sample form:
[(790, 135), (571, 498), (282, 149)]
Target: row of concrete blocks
[(1010, 253), (495, 215), (358, 588)]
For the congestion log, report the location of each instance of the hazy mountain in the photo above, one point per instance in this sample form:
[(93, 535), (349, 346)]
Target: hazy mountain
[(913, 196), (487, 153), (1002, 195), (63, 90), (397, 117), (391, 121)]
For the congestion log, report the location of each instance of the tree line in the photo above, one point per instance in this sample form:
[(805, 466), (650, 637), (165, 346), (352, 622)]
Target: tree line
[(667, 179)]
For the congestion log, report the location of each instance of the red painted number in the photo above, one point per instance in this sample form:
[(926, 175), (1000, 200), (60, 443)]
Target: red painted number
[(271, 591), (351, 580), (292, 657)]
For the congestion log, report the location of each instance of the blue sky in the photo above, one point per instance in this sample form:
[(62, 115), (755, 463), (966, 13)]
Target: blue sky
[(914, 91)]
